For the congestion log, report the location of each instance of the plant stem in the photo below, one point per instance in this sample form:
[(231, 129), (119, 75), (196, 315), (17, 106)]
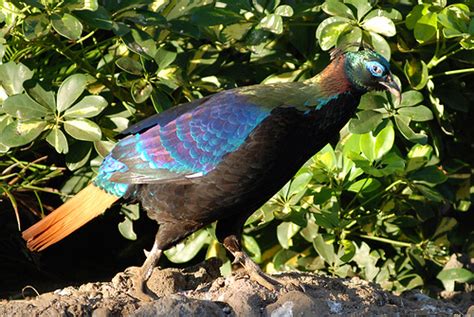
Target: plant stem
[(453, 72), (385, 240)]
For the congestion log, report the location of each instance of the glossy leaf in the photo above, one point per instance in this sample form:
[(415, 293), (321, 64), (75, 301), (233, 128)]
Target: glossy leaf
[(325, 250), (375, 146), (418, 113), (38, 94), (338, 8), (83, 129), (449, 276), (185, 251), (141, 90), (284, 10), (12, 77), (79, 155), (71, 88), (67, 25), (129, 65), (99, 18), (381, 25), (425, 27), (366, 121), (126, 229), (58, 140), (141, 43), (35, 26), (272, 23), (23, 107), (87, 107), (20, 133)]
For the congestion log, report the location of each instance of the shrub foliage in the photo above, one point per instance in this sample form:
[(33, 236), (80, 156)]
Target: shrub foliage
[(389, 202)]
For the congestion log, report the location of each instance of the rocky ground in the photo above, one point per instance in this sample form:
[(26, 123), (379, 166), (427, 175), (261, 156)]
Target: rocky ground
[(201, 291)]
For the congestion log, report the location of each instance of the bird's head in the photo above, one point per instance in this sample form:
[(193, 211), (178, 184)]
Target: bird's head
[(368, 70)]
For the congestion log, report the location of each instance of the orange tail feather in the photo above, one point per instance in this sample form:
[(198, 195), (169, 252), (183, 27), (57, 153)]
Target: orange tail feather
[(73, 214)]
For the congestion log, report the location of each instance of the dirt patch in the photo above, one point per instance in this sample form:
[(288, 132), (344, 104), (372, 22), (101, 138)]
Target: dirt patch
[(201, 291)]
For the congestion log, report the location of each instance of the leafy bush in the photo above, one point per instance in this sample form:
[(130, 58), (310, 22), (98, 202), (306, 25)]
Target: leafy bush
[(389, 202)]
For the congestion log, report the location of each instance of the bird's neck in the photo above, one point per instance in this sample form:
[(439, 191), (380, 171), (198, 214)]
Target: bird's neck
[(333, 80)]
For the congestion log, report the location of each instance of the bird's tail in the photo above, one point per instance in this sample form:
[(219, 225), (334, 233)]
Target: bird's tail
[(70, 216)]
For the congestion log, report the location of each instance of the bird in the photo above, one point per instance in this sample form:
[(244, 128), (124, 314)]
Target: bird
[(219, 158)]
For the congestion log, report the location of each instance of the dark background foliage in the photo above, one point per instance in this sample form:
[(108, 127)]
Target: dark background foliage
[(389, 200)]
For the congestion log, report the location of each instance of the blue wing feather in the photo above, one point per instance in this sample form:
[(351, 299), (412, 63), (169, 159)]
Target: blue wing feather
[(179, 143)]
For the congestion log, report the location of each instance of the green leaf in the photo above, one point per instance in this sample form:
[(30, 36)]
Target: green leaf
[(272, 23), (70, 89), (410, 98), (416, 72), (126, 229), (415, 14), (41, 96), (418, 156), (426, 27), (23, 107), (449, 276), (326, 22), (58, 140), (129, 65), (210, 15), (99, 18), (19, 133), (429, 193), (285, 231), (79, 155), (380, 45), (83, 129), (35, 26), (381, 25), (251, 246), (430, 175), (349, 250), (376, 146), (366, 121), (12, 77), (362, 7), (366, 185), (141, 43), (330, 33), (88, 107), (141, 90), (418, 113), (337, 8), (325, 250), (298, 187), (185, 251), (164, 58), (284, 10), (351, 36), (67, 25), (390, 13), (403, 125)]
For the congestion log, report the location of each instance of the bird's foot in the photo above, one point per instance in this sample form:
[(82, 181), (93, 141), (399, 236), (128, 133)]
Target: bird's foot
[(139, 288), (255, 273)]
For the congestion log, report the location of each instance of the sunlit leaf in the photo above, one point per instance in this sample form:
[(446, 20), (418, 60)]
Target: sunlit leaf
[(83, 129), (67, 25), (58, 140), (71, 88)]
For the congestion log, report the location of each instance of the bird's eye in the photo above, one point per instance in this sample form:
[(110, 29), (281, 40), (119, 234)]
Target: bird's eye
[(375, 69)]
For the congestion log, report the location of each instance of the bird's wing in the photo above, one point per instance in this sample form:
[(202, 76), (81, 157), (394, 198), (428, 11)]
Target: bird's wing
[(189, 145)]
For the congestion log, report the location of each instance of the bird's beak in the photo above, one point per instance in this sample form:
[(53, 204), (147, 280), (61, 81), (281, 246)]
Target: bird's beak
[(393, 88)]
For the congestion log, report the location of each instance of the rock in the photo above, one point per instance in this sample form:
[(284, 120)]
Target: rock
[(177, 306), (297, 303)]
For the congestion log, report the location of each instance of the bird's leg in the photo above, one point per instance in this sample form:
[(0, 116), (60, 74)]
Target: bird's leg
[(139, 279), (232, 244)]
